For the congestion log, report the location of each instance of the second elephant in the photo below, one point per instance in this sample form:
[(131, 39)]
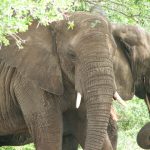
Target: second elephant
[(135, 43)]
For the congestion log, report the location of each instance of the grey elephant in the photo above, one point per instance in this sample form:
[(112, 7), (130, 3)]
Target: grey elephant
[(55, 64), (135, 44), (75, 120)]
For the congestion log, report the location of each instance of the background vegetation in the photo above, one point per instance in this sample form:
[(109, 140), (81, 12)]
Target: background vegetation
[(16, 15)]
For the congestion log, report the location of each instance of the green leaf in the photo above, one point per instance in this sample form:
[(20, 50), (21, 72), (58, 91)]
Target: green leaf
[(71, 25)]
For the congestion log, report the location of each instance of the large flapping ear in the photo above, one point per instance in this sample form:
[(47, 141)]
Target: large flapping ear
[(126, 38), (129, 34), (38, 60)]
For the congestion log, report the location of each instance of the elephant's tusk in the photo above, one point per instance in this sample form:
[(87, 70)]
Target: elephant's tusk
[(119, 99), (78, 100)]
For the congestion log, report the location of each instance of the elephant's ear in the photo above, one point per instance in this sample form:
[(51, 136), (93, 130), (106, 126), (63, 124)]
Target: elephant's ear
[(129, 34), (38, 60), (127, 38)]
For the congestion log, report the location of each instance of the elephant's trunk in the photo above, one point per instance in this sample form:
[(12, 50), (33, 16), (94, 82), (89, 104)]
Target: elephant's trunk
[(143, 137), (98, 91)]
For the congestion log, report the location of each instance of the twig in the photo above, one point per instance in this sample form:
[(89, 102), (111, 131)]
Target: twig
[(128, 16)]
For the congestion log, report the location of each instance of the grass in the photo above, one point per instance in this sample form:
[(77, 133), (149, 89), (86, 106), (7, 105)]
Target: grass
[(26, 147), (131, 119)]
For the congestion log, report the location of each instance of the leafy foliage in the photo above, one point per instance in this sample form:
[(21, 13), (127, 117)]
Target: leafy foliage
[(71, 25), (124, 11), (16, 15)]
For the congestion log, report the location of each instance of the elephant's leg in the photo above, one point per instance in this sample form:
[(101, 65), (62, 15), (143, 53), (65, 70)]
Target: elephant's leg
[(81, 138), (69, 140), (69, 143), (41, 113), (74, 129), (75, 124)]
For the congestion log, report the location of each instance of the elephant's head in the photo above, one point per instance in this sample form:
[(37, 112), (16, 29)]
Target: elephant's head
[(85, 53), (135, 43)]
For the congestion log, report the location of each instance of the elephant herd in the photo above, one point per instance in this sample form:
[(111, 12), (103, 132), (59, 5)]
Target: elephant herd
[(57, 91)]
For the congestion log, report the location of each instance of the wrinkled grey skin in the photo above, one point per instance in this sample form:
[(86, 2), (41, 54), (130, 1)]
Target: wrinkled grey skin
[(135, 43), (55, 63), (77, 125), (74, 123), (75, 120)]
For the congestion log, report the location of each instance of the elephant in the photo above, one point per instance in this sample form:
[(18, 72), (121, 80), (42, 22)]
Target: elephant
[(40, 81), (135, 44), (74, 120), (134, 41)]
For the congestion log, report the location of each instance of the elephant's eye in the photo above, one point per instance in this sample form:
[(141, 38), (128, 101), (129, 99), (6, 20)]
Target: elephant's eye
[(72, 55)]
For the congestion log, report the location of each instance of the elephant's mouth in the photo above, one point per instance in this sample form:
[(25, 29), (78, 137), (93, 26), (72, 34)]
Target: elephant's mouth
[(112, 111)]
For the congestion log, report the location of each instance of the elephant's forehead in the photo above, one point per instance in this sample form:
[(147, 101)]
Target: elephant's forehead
[(81, 17)]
